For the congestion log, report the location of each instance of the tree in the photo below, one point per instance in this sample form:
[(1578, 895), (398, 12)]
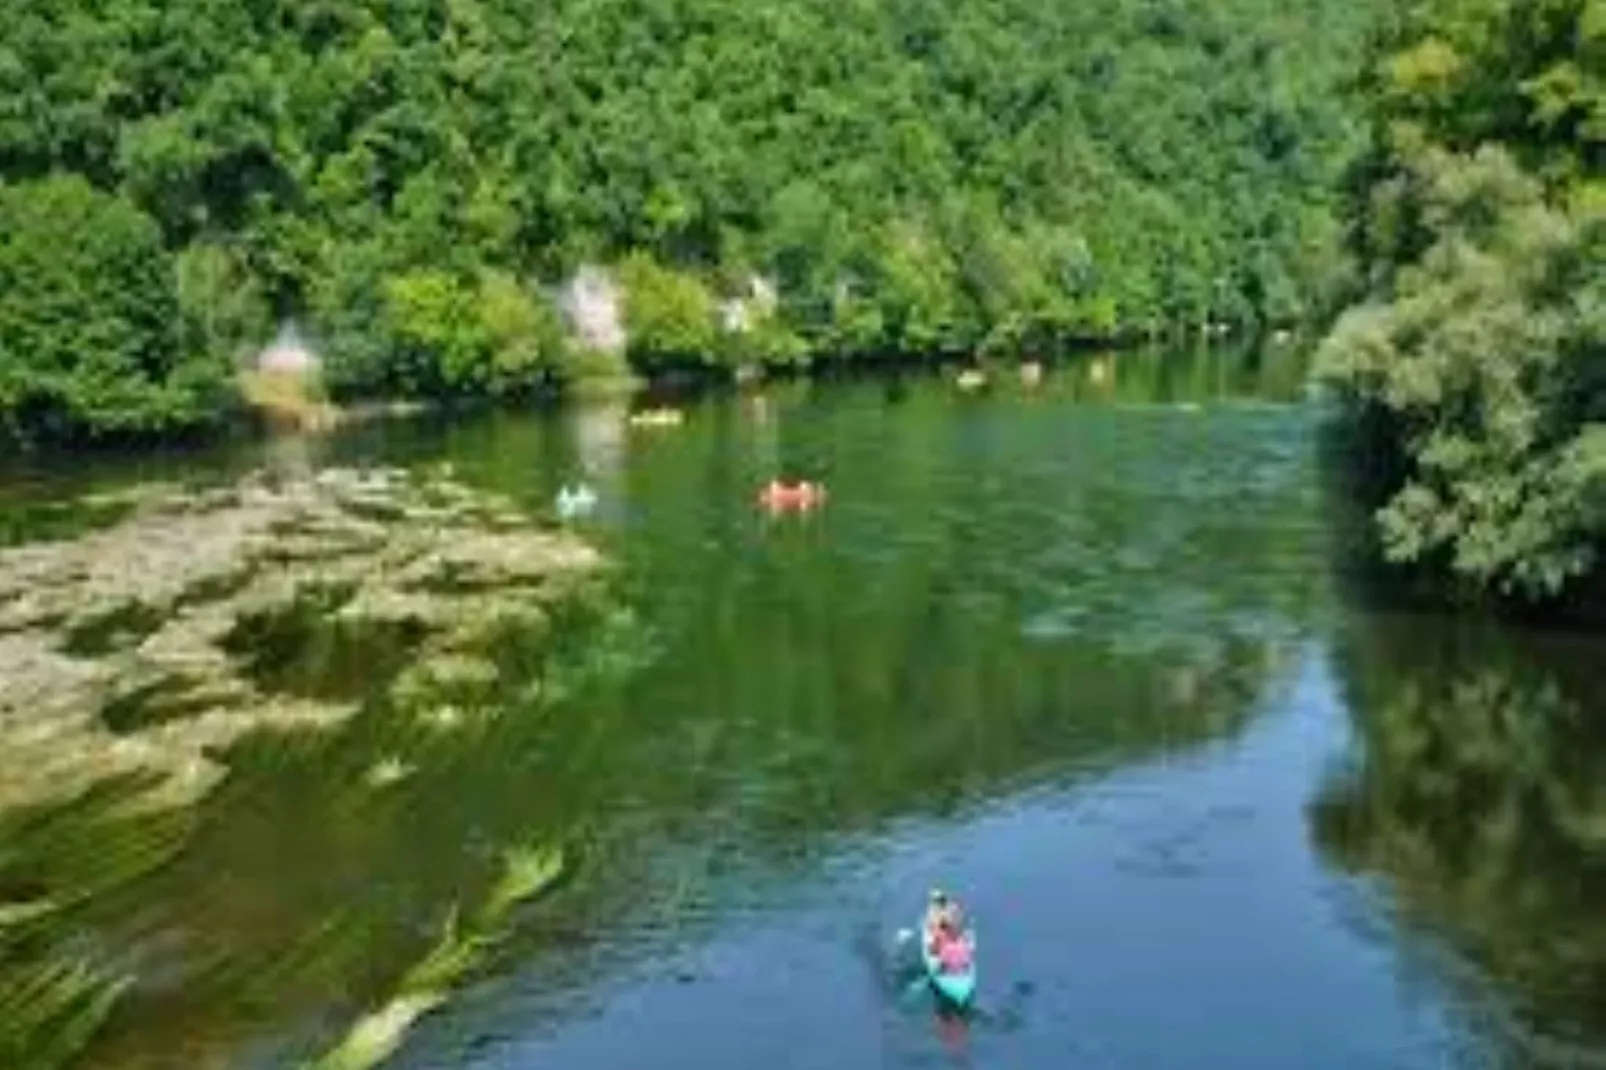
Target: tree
[(1475, 348), (669, 316), (90, 336), (1488, 359), (454, 337)]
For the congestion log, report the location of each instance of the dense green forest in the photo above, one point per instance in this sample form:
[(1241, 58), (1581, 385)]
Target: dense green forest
[(415, 181), (1476, 346)]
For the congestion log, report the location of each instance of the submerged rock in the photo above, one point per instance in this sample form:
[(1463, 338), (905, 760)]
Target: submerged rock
[(156, 642)]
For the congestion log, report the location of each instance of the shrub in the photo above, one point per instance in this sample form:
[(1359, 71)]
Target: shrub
[(90, 324)]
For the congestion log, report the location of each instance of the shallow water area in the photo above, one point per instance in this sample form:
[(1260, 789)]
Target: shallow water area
[(1086, 652)]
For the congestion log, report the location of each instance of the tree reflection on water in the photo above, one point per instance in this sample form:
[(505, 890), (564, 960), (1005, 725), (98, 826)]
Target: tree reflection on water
[(1479, 798)]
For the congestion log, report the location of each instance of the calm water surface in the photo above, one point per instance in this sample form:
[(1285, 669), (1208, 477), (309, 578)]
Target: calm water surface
[(1083, 654)]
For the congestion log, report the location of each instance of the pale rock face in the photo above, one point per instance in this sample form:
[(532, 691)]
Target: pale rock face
[(733, 316), (740, 314), (590, 303), (288, 354), (763, 294)]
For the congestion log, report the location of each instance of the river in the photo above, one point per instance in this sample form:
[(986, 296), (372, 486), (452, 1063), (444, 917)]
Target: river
[(1086, 654)]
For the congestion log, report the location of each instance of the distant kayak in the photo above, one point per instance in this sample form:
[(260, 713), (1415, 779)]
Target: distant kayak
[(576, 502), (958, 987), (780, 497)]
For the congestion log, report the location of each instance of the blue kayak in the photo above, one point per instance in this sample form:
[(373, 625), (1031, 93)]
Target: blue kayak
[(956, 988)]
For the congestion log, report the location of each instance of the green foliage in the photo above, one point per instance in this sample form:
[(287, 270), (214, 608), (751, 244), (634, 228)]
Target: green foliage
[(451, 337), (1487, 359), (912, 176), (669, 315), (91, 334), (437, 339), (222, 307), (522, 332), (1477, 339), (752, 330), (916, 284)]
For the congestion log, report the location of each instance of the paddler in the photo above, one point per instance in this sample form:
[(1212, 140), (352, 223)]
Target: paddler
[(943, 916), (945, 940)]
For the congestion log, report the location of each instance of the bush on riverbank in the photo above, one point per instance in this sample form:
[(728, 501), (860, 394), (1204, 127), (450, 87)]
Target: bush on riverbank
[(91, 338), (1476, 351), (285, 399)]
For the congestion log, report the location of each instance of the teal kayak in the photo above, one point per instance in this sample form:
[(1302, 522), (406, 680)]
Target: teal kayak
[(956, 987)]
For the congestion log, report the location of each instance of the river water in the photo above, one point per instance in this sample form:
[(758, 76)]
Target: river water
[(1086, 654)]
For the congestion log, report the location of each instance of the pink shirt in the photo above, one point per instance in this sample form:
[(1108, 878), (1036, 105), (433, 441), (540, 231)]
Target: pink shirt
[(953, 954)]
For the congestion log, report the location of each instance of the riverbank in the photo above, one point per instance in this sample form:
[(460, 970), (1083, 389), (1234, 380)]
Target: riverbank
[(294, 403)]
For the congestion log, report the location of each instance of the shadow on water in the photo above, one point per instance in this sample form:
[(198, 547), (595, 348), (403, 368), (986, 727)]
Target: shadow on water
[(1477, 798)]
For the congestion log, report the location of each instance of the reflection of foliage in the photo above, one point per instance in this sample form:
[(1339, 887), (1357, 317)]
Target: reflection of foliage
[(1482, 797), (990, 581), (1167, 376)]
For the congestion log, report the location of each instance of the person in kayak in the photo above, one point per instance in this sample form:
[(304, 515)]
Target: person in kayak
[(943, 913), (945, 934)]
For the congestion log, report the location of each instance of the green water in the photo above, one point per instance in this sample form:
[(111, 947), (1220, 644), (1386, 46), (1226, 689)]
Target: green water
[(1087, 653)]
